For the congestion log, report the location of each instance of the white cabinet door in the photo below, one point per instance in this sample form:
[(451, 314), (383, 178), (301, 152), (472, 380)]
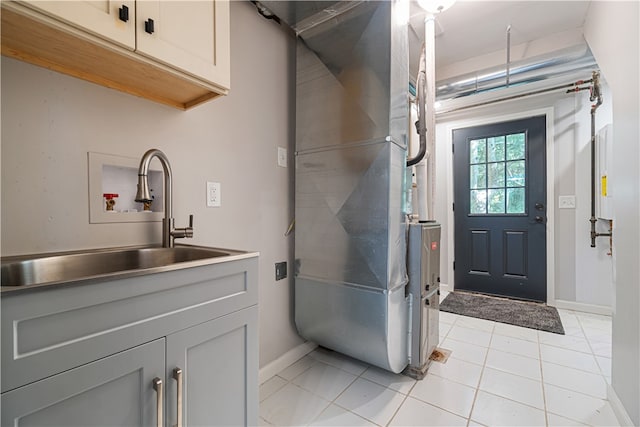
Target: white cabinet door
[(219, 363), (101, 18), (192, 36)]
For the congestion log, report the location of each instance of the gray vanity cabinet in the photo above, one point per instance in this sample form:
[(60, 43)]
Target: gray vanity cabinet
[(88, 354), (217, 359), (114, 391)]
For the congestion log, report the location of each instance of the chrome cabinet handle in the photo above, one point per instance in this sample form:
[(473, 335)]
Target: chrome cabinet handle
[(157, 386), (177, 375)]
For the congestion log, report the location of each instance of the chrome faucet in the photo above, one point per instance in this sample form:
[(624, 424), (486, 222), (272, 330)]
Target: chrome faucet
[(169, 232)]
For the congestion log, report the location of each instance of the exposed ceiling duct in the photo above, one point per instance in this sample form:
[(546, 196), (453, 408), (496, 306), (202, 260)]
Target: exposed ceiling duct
[(573, 62)]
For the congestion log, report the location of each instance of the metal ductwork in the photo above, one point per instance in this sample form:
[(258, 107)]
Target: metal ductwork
[(352, 120), (565, 62), (352, 117), (572, 63)]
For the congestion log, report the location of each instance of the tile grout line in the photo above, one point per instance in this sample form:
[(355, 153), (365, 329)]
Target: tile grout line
[(547, 412), (406, 396), (333, 402), (484, 365), (544, 393), (589, 344)]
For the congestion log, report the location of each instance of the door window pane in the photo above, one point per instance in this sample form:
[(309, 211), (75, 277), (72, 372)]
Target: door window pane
[(478, 176), (515, 146), (497, 174), (477, 151), (495, 177), (495, 149), (515, 173), (515, 200), (478, 201), (495, 201)]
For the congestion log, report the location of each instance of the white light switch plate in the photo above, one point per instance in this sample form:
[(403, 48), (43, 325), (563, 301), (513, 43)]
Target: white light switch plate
[(567, 202), (214, 199), (282, 157)]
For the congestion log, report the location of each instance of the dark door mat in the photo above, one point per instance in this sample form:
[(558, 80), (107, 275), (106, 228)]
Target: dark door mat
[(520, 313)]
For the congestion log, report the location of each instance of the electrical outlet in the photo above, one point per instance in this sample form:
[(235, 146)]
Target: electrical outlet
[(567, 202), (281, 270), (214, 199), (282, 157)]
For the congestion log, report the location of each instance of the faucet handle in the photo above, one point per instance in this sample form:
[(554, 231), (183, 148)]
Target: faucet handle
[(179, 233), (188, 231)]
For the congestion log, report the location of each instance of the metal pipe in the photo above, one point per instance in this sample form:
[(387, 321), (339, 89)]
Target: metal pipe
[(421, 126), (508, 53), (596, 95), (573, 87), (430, 100), (543, 67)]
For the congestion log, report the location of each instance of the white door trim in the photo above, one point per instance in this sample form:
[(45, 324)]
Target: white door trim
[(550, 203)]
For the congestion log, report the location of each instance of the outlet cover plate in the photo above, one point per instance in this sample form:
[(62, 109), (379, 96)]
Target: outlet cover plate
[(281, 270), (282, 157), (214, 199), (567, 202)]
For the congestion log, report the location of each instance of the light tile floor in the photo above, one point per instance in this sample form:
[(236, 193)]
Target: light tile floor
[(496, 375)]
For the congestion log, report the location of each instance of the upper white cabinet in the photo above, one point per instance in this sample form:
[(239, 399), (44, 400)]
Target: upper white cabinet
[(113, 20), (173, 52), (190, 35)]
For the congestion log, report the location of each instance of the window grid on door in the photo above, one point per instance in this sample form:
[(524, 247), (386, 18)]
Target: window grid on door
[(497, 174)]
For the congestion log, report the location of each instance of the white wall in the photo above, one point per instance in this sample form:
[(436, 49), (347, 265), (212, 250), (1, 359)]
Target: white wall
[(581, 274), (50, 122), (611, 29)]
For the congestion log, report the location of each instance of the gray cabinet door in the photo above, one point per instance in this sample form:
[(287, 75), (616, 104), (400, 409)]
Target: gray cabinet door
[(114, 391), (219, 362)]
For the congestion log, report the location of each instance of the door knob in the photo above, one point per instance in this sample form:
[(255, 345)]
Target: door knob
[(539, 219), (539, 206)]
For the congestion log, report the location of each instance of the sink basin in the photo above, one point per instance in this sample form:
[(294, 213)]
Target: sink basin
[(74, 266)]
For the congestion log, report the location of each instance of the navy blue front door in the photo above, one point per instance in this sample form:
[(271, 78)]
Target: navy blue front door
[(500, 209)]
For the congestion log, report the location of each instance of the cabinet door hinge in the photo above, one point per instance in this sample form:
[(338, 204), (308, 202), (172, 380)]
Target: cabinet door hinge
[(454, 265)]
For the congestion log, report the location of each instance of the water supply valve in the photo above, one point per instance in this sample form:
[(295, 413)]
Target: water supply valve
[(110, 200)]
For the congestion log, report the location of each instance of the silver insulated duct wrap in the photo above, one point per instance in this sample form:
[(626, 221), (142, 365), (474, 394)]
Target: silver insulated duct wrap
[(351, 136)]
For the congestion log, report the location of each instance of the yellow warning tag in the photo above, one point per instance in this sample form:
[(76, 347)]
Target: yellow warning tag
[(603, 185)]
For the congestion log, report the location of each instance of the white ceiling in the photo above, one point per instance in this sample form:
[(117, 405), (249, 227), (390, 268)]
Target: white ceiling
[(473, 28)]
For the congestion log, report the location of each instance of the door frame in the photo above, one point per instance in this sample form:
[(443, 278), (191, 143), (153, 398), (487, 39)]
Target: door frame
[(485, 119)]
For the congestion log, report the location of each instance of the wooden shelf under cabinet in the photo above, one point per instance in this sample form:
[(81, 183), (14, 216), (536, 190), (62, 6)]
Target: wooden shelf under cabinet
[(41, 41)]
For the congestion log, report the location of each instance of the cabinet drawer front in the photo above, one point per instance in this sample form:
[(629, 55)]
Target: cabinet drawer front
[(115, 391), (46, 332)]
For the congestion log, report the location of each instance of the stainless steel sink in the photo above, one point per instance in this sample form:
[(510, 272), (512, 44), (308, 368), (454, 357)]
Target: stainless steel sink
[(74, 266)]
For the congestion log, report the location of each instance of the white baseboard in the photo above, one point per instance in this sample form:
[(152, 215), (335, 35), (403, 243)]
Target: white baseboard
[(446, 288), (580, 306), (291, 356), (618, 408)]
